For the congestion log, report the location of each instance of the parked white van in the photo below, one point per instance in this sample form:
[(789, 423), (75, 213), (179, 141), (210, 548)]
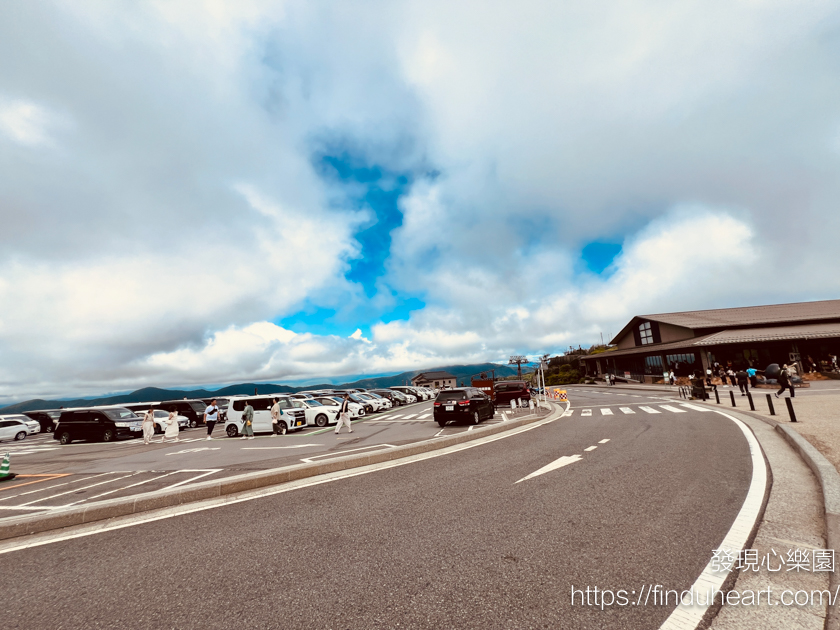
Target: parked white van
[(291, 419)]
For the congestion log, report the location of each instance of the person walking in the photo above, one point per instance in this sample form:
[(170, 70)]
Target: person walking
[(211, 416), (247, 422), (751, 374), (731, 374), (671, 377), (344, 415), (275, 418), (743, 381), (171, 426), (148, 426), (784, 382)]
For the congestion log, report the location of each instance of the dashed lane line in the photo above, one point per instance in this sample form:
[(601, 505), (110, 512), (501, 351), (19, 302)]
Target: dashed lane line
[(606, 411), (604, 441), (586, 412), (590, 448), (627, 410)]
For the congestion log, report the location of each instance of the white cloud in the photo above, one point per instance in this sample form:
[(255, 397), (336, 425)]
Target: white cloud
[(25, 122)]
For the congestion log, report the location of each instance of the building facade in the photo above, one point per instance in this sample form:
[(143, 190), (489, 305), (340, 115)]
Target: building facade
[(805, 333), (436, 380)]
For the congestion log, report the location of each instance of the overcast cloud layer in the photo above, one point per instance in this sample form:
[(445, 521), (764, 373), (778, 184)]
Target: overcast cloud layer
[(180, 181)]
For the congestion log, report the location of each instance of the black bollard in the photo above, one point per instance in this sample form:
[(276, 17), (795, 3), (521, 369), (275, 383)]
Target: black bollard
[(770, 404), (789, 403), (717, 396), (732, 396), (752, 404)]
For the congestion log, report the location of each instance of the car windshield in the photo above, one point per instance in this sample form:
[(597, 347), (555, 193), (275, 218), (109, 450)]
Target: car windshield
[(23, 419), (120, 414), (450, 395), (159, 413), (314, 403)]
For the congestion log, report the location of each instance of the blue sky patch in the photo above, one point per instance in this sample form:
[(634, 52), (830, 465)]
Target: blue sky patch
[(599, 256)]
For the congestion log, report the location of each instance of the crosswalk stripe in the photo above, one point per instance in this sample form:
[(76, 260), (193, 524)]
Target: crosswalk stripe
[(672, 409), (425, 415), (586, 412), (695, 407), (411, 415), (606, 411), (396, 415), (627, 410), (649, 409)]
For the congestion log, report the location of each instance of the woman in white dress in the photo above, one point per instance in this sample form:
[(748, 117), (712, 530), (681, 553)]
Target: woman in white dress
[(171, 426), (148, 426)]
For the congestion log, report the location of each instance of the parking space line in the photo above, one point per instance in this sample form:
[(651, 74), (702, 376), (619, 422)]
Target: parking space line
[(58, 485), (139, 483), (203, 472), (604, 441), (46, 477), (590, 448), (93, 485)]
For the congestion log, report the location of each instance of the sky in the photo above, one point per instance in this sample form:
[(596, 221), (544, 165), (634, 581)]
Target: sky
[(220, 192)]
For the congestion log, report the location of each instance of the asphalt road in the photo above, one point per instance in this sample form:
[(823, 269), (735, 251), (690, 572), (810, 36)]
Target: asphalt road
[(448, 542), (52, 475)]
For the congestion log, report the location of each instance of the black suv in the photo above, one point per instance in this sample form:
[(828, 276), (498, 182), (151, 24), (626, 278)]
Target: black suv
[(192, 409), (106, 425), (47, 419), (463, 403)]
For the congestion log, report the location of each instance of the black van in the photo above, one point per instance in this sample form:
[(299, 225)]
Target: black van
[(505, 391), (192, 409), (102, 424), (463, 403)]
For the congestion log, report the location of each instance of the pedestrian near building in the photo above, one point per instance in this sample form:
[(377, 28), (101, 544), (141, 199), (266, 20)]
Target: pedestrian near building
[(731, 374), (148, 426), (751, 374), (171, 426), (785, 382), (671, 377), (743, 381), (211, 416), (344, 415), (247, 422)]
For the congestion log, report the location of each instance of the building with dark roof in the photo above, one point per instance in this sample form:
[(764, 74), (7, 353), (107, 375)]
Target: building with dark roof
[(650, 345), (435, 380)]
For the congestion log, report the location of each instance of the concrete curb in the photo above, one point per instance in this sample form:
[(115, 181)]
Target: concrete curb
[(829, 479), (25, 525)]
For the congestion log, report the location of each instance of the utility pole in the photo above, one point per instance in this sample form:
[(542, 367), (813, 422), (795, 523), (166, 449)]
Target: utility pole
[(518, 360)]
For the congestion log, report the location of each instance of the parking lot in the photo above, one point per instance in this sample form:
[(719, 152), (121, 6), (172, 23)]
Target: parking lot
[(51, 476)]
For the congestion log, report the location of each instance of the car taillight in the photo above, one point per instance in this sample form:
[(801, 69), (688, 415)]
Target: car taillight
[(437, 404), (464, 403)]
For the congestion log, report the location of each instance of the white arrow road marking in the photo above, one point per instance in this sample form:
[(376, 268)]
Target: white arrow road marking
[(559, 463), (649, 409), (590, 448), (604, 441), (627, 410), (606, 411), (672, 409), (271, 448), (695, 407), (586, 412)]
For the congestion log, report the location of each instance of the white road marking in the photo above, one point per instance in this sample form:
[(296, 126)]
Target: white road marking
[(394, 416), (438, 433), (695, 407), (93, 485), (688, 617), (649, 409), (504, 417), (569, 412), (604, 441), (590, 448), (203, 472), (672, 409), (425, 415), (635, 396), (586, 412), (471, 427), (558, 463), (57, 485), (139, 483), (606, 411), (411, 415), (309, 460), (626, 410), (196, 450), (273, 448)]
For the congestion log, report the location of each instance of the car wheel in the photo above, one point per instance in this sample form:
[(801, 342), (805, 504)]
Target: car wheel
[(282, 427), (193, 424), (231, 430), (65, 438), (158, 430), (108, 435), (20, 436), (476, 417), (441, 423), (321, 420)]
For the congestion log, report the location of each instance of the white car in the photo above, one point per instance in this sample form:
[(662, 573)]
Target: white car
[(356, 410), (17, 426), (291, 418), (384, 402), (317, 413), (378, 404), (411, 397)]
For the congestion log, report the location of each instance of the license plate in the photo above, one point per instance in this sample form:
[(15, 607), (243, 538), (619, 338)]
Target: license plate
[(136, 429), (450, 407)]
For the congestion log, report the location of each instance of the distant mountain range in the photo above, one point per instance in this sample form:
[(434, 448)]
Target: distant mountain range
[(151, 394)]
